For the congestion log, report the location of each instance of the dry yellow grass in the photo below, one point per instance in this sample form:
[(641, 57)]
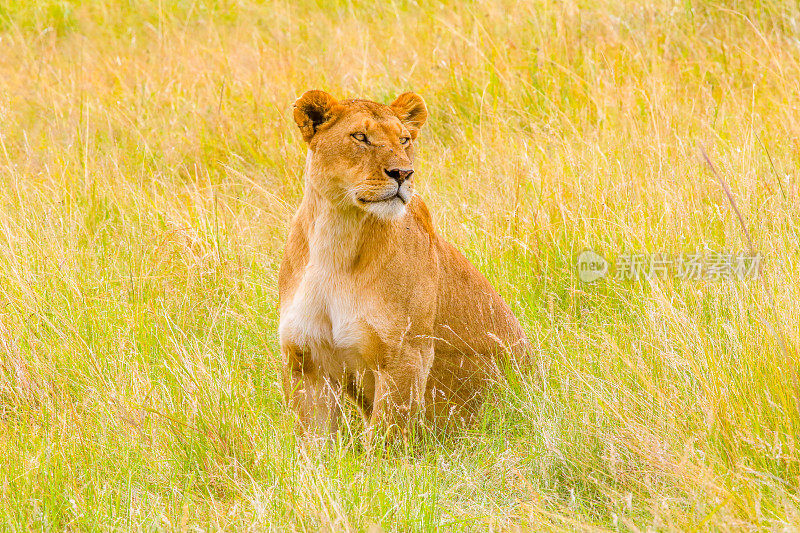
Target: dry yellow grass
[(149, 166)]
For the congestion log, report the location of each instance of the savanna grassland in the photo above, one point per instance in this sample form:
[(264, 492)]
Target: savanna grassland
[(149, 166)]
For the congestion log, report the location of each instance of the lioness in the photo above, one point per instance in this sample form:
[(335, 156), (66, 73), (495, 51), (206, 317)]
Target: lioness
[(374, 304)]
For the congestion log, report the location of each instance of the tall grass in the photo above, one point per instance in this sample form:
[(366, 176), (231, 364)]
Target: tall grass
[(149, 166)]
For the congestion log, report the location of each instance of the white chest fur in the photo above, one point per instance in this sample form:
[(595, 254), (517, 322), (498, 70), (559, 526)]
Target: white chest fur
[(322, 311), (324, 316)]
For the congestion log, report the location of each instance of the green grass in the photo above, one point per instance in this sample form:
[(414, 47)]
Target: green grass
[(150, 165)]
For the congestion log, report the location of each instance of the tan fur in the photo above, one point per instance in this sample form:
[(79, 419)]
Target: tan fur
[(374, 304)]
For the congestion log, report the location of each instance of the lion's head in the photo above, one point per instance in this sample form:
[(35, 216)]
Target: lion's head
[(361, 153)]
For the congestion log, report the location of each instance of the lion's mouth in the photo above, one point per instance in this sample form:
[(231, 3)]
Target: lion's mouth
[(403, 196), (379, 200)]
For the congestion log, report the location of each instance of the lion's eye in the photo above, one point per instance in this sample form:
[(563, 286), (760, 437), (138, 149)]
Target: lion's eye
[(360, 137), (404, 140)]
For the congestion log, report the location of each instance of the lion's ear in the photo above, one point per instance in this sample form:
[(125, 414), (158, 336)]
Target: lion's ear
[(411, 110), (312, 110)]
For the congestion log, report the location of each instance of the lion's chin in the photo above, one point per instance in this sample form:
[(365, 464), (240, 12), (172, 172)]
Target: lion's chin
[(390, 209)]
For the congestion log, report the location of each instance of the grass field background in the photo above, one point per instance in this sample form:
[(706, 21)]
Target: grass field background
[(149, 166)]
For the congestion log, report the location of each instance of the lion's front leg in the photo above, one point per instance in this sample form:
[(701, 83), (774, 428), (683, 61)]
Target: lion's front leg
[(400, 384), (314, 397)]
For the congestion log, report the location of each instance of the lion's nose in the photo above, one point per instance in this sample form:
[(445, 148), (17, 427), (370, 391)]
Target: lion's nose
[(399, 174)]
